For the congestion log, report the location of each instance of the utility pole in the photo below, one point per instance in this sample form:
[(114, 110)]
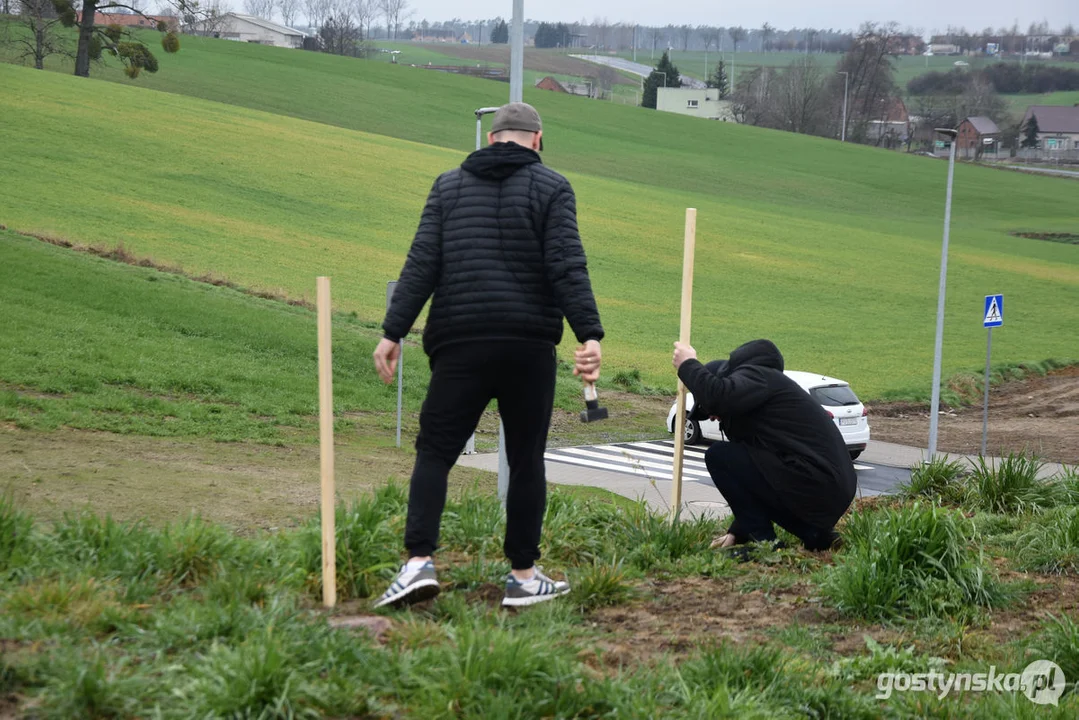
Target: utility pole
[(934, 409), (517, 52)]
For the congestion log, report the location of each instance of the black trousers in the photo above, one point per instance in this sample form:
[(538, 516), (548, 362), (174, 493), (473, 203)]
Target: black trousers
[(464, 378), (753, 502)]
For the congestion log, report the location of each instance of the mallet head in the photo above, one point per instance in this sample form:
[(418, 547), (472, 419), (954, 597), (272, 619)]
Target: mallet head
[(592, 411)]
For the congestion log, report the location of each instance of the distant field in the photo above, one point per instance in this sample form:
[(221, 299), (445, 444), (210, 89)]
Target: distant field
[(831, 250)]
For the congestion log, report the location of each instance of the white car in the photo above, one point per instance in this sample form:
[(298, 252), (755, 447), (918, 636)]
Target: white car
[(836, 396)]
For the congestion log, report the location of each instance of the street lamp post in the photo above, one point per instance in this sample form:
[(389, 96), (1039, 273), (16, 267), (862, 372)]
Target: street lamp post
[(938, 345), (843, 130)]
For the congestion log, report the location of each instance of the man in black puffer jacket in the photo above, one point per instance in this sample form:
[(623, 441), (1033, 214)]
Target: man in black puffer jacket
[(785, 461), (499, 253)]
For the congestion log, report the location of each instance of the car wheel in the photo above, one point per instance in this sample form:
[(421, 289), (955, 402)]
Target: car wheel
[(854, 455), (693, 432)]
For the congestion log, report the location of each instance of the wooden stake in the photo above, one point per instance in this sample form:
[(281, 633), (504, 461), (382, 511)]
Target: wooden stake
[(325, 418), (683, 337)]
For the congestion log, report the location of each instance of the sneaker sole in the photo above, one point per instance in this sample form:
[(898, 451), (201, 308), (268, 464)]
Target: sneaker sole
[(531, 599), (417, 592)]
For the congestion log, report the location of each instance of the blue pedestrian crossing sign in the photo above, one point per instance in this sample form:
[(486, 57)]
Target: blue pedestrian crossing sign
[(994, 311)]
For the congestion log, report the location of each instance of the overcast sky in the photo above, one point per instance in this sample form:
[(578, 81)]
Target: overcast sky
[(838, 14)]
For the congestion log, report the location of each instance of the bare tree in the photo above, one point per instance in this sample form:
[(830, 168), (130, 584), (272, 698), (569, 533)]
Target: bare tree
[(259, 8), (710, 36), (317, 11), (685, 32), (364, 11), (872, 77), (395, 12), (801, 98), (288, 10), (738, 34), (42, 37), (767, 32)]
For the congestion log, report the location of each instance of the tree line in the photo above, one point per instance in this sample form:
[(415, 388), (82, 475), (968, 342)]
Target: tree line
[(1007, 78)]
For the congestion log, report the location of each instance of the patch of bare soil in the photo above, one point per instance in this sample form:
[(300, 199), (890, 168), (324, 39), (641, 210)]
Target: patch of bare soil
[(1056, 595), (1038, 415), (533, 60), (682, 614)]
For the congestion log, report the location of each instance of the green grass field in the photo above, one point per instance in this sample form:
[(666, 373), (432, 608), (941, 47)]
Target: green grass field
[(832, 251)]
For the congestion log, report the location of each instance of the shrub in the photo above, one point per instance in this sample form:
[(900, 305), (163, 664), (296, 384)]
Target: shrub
[(1013, 486), (1059, 641), (940, 480), (1050, 543), (599, 585), (15, 529), (916, 560)]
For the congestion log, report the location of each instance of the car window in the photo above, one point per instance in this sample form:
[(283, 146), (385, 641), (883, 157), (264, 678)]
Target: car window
[(834, 395)]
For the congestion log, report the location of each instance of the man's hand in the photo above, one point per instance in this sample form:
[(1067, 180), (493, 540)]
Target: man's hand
[(386, 355), (588, 358), (683, 353)]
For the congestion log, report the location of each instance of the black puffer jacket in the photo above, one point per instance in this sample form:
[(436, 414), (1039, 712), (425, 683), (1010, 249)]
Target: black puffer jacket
[(795, 445), (498, 248)]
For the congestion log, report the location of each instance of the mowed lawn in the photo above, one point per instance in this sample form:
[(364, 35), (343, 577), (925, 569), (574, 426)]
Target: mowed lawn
[(832, 251)]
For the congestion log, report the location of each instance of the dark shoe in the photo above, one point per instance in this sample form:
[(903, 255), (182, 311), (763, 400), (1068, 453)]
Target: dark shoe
[(826, 540), (745, 552), (411, 586)]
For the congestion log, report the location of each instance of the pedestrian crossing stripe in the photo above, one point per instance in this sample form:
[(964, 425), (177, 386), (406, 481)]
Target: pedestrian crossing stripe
[(653, 460)]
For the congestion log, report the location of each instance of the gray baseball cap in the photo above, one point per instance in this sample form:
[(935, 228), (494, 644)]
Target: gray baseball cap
[(517, 116)]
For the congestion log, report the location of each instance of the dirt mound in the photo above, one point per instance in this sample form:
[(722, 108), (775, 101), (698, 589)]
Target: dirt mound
[(1035, 415)]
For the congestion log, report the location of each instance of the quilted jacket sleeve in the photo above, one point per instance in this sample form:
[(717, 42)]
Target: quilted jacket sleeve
[(421, 271), (566, 266), (742, 391)]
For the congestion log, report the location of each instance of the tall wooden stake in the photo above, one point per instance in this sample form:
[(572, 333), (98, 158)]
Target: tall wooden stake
[(325, 418), (683, 337)]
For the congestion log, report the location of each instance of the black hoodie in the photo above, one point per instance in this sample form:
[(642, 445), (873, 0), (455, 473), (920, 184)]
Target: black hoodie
[(795, 445), (499, 254)]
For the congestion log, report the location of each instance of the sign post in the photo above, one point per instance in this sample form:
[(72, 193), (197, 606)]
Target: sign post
[(390, 288), (994, 317)]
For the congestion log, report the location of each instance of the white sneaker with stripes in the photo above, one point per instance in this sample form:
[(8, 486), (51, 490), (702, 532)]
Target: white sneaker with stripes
[(411, 586), (530, 592)]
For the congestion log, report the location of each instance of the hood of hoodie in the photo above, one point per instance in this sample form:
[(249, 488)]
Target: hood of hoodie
[(500, 160), (762, 353)]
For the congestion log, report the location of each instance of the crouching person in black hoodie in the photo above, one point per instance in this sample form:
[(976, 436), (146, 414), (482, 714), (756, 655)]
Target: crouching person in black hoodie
[(786, 461)]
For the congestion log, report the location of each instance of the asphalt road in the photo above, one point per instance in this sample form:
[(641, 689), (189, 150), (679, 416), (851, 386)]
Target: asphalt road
[(635, 68)]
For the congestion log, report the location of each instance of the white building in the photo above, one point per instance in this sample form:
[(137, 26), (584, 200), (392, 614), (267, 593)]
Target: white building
[(702, 102), (248, 28)]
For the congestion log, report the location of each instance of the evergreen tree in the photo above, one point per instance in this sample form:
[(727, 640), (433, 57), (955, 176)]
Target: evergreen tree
[(1030, 133), (501, 33), (665, 75), (720, 80)]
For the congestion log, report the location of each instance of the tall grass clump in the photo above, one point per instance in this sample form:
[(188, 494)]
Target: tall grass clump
[(126, 551), (576, 531), (15, 529), (651, 540), (940, 480), (368, 543), (492, 671), (195, 550), (1050, 543), (474, 523), (914, 561), (1013, 486), (601, 584), (1059, 641)]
